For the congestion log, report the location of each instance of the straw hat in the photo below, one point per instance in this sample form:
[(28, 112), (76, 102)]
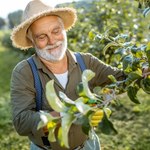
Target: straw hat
[(34, 10)]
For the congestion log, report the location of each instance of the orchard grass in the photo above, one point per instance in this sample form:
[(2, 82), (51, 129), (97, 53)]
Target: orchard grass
[(132, 122), (10, 140)]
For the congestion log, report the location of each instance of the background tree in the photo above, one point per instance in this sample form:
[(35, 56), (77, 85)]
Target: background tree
[(14, 18), (2, 23), (103, 15)]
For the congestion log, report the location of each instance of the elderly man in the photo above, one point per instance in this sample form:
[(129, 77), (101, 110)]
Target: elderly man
[(44, 28)]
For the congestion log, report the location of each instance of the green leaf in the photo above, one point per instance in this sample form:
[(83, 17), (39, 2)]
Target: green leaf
[(97, 90), (139, 54), (92, 101), (51, 134), (121, 36), (127, 61), (132, 93), (87, 75), (66, 99), (110, 45), (91, 35), (106, 126), (121, 51), (146, 11), (83, 108), (67, 120), (93, 142), (145, 85), (134, 49), (52, 98), (45, 118), (136, 64), (128, 69), (85, 125), (126, 44), (112, 78), (60, 137), (80, 90), (135, 75), (132, 76)]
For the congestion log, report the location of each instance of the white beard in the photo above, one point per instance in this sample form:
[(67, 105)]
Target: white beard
[(53, 55)]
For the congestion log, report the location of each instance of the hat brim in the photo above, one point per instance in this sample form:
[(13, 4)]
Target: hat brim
[(18, 36)]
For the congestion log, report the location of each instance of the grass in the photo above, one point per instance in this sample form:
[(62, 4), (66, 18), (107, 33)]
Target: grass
[(7, 62), (132, 121), (10, 139)]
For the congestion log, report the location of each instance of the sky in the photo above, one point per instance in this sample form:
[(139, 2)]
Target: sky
[(8, 6)]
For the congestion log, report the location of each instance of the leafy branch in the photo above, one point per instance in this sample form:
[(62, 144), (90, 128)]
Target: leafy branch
[(132, 60), (80, 111), (77, 112)]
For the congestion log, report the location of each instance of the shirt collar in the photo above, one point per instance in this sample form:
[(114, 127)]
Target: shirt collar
[(71, 59)]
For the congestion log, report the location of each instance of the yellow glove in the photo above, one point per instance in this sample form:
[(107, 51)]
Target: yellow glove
[(97, 117)]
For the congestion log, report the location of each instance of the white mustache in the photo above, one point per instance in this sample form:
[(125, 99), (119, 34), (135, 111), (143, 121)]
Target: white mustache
[(49, 47)]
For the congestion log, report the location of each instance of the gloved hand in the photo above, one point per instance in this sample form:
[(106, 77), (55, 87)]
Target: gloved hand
[(98, 115), (51, 124)]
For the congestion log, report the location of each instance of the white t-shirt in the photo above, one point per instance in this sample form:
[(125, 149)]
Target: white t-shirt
[(62, 78)]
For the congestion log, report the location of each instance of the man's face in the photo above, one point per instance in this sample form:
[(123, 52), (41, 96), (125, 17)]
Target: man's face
[(49, 37)]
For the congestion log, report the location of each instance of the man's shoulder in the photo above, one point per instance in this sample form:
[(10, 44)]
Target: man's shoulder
[(22, 65), (84, 54), (87, 54)]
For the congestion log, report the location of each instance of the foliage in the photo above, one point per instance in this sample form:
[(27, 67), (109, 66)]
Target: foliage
[(6, 65), (78, 112), (2, 22), (10, 139), (14, 18), (132, 58), (144, 5), (129, 118), (81, 110), (6, 42), (101, 15)]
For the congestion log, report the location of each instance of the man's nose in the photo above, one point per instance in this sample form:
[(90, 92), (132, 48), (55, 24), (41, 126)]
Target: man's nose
[(51, 40)]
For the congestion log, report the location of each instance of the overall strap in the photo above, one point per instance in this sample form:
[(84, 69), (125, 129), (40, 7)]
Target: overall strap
[(80, 61), (38, 88), (37, 83)]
